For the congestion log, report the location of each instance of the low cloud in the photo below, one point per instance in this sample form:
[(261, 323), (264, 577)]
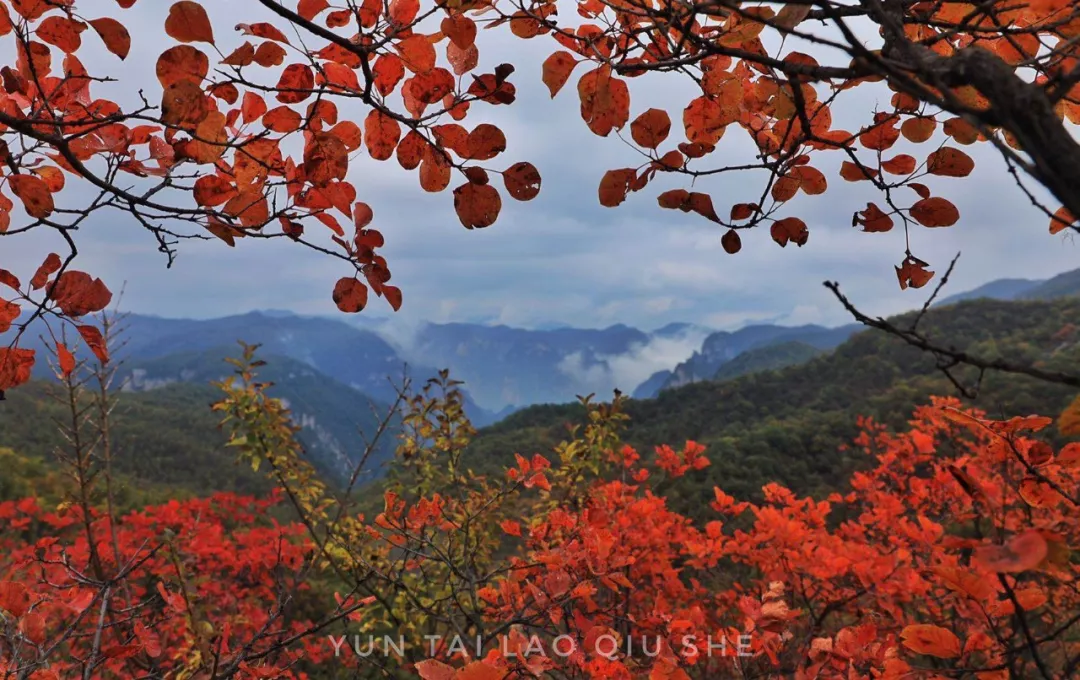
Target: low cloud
[(628, 370)]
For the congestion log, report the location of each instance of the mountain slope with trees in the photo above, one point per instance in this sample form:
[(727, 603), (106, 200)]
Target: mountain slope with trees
[(790, 425)]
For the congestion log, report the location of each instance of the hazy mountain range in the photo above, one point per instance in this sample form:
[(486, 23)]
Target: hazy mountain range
[(338, 374)]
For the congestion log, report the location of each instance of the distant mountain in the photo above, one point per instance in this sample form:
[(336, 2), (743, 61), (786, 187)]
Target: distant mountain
[(1066, 284), (788, 425), (768, 358), (652, 386), (723, 346), (999, 289), (334, 418), (357, 358), (504, 366)]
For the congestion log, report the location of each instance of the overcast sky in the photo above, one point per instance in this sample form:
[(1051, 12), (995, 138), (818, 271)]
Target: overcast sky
[(562, 258)]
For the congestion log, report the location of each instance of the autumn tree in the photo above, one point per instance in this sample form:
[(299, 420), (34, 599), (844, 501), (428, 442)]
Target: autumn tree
[(250, 130)]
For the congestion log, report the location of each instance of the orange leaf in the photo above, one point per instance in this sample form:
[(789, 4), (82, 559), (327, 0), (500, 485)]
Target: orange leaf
[(900, 165), (295, 84), (253, 107), (62, 32), (403, 12), (873, 219), (557, 69), (9, 311), (485, 142), (282, 119), (393, 296), (50, 266), (605, 101), (789, 229), (949, 162), (924, 638), (65, 358), (704, 121), (651, 128), (350, 295), (387, 71), (522, 181), (309, 9), (615, 184), (188, 22), (15, 366), (34, 193), (460, 29), (10, 280), (381, 134), (918, 129), (935, 212), (743, 211), (811, 180), (912, 273), (477, 205), (854, 172), (418, 53), (77, 293), (1061, 220)]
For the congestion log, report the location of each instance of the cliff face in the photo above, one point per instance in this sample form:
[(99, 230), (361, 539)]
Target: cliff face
[(721, 347)]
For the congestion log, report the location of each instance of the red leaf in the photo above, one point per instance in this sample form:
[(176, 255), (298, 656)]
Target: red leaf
[(485, 142), (1059, 221), (651, 128), (10, 280), (62, 32), (913, 273), (873, 219), (605, 101), (949, 162), (95, 341), (900, 165), (188, 22), (477, 205), (403, 12), (935, 212), (67, 364), (14, 597), (557, 70), (350, 295), (77, 294), (931, 640), (309, 9), (381, 134), (393, 296), (50, 266), (789, 229), (9, 311), (295, 84), (522, 181), (15, 366), (34, 193)]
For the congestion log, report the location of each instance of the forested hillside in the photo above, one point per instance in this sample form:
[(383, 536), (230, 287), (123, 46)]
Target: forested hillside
[(789, 425), (165, 442)]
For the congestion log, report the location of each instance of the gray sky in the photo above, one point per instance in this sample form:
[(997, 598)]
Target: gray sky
[(562, 257)]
